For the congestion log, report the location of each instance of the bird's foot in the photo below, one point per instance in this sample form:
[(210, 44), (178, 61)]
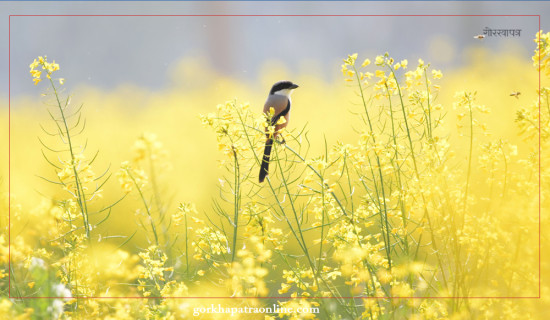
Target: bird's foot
[(280, 140)]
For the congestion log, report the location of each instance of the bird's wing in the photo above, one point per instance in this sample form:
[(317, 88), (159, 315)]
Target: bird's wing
[(283, 113), (280, 104)]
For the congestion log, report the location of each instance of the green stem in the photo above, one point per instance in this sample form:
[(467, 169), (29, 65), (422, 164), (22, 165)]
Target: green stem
[(236, 206), (399, 182), (469, 158), (156, 197), (298, 223), (426, 213), (429, 120), (81, 196), (186, 249), (384, 212), (146, 206)]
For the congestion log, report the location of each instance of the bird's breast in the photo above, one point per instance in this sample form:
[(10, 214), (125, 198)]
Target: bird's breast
[(277, 102)]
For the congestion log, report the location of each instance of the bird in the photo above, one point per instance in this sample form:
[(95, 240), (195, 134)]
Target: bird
[(279, 100)]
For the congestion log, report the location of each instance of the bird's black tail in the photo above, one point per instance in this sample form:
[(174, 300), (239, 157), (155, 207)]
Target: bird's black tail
[(264, 168)]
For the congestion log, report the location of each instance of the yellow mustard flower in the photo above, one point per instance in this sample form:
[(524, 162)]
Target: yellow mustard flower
[(437, 74)]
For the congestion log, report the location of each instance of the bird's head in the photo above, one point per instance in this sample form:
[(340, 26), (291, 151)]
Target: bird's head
[(283, 88)]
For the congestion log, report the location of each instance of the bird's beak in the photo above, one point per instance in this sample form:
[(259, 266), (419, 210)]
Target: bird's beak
[(294, 86)]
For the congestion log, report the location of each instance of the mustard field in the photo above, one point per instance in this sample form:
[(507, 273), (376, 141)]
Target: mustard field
[(404, 191)]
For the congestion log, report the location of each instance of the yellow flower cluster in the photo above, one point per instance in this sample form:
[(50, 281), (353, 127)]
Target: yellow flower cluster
[(527, 118), (184, 210), (350, 72), (230, 123), (152, 274), (541, 58), (466, 102), (209, 243), (261, 224), (148, 148), (246, 276), (130, 177), (82, 168), (387, 83), (49, 67)]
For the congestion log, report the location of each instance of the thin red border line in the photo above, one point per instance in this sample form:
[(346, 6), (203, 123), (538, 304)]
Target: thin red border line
[(244, 15)]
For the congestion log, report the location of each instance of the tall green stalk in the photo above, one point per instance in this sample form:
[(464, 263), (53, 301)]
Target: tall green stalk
[(81, 196)]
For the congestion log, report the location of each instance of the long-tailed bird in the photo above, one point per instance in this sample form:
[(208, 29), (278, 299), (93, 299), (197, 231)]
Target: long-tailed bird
[(279, 100)]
